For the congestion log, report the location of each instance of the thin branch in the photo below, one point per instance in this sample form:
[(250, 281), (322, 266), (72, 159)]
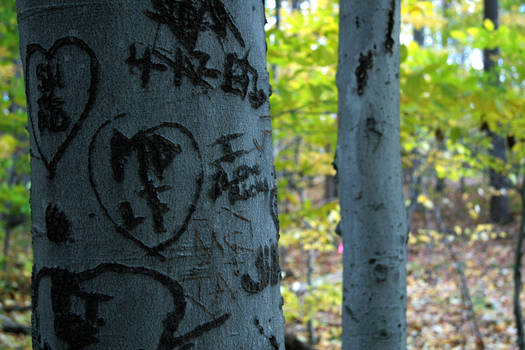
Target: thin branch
[(460, 270)]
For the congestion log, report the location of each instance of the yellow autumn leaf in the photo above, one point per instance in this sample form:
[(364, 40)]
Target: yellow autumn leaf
[(7, 146), (427, 203), (7, 71), (424, 239), (473, 31), (487, 23)]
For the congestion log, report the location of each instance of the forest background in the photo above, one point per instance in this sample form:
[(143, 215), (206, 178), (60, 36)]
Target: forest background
[(461, 276)]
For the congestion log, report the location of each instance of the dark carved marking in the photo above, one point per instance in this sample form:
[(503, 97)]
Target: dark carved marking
[(381, 272), (51, 116), (155, 154), (272, 339), (197, 332), (119, 229), (275, 272), (351, 313), (243, 218), (260, 147), (58, 226), (274, 342), (268, 270), (144, 64), (372, 129), (203, 70), (236, 187), (79, 330), (237, 80), (258, 325), (182, 66), (361, 72), (389, 41), (227, 286), (54, 118), (130, 221), (187, 19), (229, 154), (274, 211)]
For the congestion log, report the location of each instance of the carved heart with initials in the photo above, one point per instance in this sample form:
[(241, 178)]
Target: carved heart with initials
[(147, 183), (61, 86)]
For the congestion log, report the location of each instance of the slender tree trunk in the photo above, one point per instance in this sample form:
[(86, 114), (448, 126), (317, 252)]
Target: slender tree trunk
[(499, 204), (518, 314), (278, 14), (153, 194), (369, 171), (419, 36)]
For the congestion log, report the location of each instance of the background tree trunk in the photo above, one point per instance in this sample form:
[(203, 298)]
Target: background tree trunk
[(369, 172), (153, 194), (499, 204)]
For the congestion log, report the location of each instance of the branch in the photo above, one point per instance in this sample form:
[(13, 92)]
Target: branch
[(9, 326), (460, 270)]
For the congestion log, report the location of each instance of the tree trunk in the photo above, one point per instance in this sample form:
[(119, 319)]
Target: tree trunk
[(419, 36), (499, 204), (153, 192), (369, 171), (518, 284)]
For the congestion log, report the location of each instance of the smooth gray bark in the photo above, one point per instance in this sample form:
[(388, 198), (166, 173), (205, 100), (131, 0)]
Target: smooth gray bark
[(153, 195), (369, 171)]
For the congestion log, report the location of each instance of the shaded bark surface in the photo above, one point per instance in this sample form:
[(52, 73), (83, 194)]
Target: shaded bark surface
[(153, 194), (368, 162)]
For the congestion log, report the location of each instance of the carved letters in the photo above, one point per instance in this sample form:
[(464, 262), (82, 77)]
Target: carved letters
[(165, 157), (80, 328), (58, 226), (268, 270), (49, 73), (237, 185), (188, 21), (148, 183)]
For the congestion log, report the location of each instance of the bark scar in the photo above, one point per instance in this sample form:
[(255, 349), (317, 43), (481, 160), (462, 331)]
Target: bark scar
[(361, 72), (351, 314), (389, 42)]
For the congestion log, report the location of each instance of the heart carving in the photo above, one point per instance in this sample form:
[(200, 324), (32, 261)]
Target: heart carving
[(148, 183), (69, 65)]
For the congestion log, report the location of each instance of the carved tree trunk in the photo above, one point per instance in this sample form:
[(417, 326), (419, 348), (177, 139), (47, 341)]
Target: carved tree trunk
[(153, 193), (499, 204), (369, 172)]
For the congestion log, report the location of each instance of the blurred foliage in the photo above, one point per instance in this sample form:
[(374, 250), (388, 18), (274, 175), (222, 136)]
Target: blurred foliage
[(447, 103), (14, 142)]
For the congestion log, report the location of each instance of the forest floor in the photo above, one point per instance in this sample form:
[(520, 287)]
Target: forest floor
[(437, 318)]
